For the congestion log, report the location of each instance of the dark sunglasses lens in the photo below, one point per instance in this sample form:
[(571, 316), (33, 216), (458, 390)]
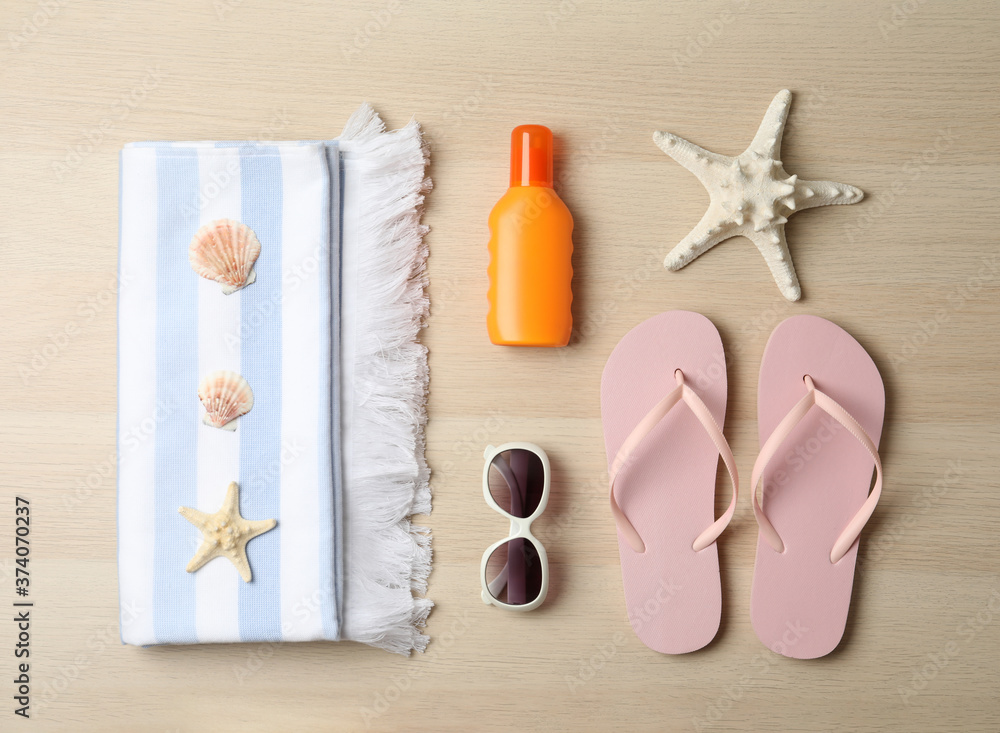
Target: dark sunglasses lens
[(517, 478), (514, 572)]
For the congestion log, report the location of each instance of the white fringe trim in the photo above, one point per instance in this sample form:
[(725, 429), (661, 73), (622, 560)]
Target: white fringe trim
[(386, 557)]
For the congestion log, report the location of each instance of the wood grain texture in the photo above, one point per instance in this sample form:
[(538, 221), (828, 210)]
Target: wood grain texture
[(898, 98)]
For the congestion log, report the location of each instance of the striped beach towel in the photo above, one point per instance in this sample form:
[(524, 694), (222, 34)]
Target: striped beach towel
[(340, 265)]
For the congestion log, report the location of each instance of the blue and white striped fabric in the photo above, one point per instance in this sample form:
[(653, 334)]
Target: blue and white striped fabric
[(281, 334)]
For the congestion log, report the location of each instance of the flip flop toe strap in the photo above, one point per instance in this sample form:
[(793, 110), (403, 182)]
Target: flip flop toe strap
[(826, 403), (652, 418)]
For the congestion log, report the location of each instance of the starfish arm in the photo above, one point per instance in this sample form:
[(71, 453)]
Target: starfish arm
[(259, 527), (198, 519), (810, 194), (767, 141), (707, 233), (206, 552), (238, 557), (773, 247), (231, 504), (695, 159)]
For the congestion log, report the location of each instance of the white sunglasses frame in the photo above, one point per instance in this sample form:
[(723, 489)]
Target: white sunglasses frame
[(519, 528)]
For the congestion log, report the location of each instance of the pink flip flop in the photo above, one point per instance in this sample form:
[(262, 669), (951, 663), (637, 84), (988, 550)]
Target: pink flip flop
[(820, 406), (663, 400)]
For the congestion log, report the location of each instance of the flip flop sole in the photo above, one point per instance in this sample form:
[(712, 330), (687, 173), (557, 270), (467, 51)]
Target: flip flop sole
[(814, 485), (667, 489)]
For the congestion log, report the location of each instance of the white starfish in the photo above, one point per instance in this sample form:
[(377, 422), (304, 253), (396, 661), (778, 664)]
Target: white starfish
[(752, 196), (226, 533)]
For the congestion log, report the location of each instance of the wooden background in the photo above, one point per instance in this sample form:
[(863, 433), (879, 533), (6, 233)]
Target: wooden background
[(898, 98)]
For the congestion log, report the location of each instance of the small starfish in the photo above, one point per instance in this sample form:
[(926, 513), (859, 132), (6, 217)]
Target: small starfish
[(751, 195), (225, 533)]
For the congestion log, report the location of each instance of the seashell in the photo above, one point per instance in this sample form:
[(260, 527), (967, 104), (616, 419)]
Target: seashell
[(226, 396), (225, 251)]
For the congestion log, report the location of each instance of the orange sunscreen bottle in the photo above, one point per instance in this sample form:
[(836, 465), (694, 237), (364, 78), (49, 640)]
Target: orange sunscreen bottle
[(531, 248)]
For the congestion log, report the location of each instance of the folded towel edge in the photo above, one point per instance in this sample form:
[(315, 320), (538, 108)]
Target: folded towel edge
[(388, 558)]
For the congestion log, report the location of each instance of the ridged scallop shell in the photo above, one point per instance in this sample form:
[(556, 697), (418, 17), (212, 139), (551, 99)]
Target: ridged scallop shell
[(225, 251), (225, 395)]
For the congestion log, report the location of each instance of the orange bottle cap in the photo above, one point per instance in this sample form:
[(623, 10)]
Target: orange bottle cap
[(531, 156)]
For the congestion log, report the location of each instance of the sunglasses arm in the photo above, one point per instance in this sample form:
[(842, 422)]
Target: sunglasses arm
[(498, 583)]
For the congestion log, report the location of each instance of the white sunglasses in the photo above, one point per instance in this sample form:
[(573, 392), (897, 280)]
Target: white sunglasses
[(515, 571)]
